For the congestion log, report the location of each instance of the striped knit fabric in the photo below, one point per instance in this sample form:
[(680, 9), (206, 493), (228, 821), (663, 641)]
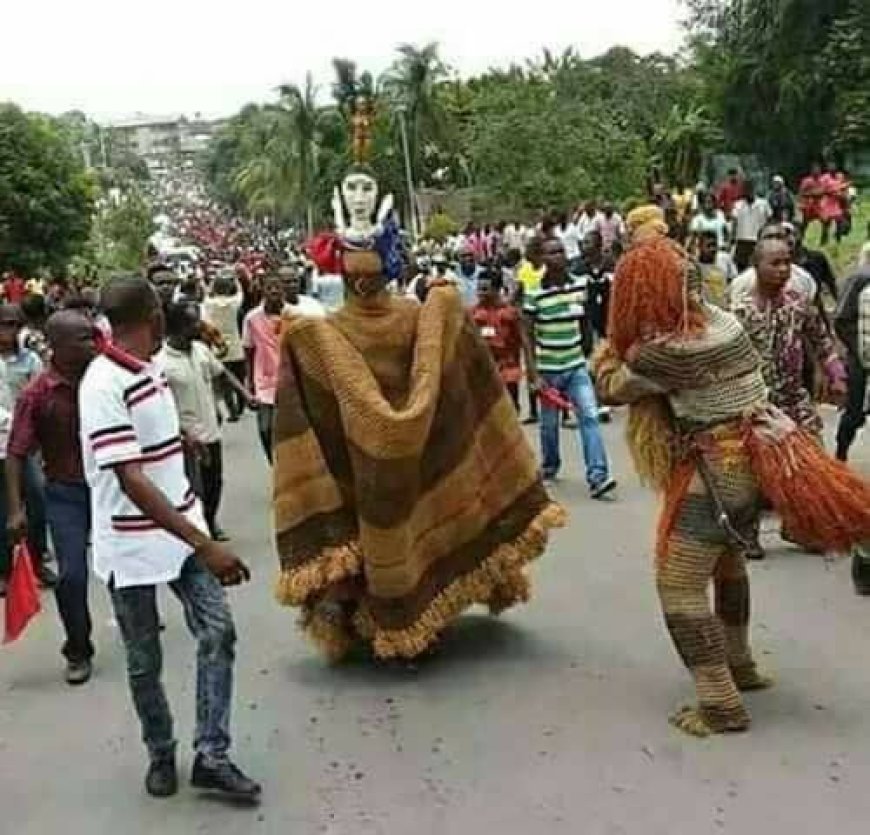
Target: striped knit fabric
[(714, 646), (405, 490)]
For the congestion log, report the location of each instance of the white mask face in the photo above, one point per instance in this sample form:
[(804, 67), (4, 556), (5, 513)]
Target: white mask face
[(360, 193)]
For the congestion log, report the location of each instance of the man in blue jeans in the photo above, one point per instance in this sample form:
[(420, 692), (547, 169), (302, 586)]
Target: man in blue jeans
[(149, 530), (46, 420), (554, 317)]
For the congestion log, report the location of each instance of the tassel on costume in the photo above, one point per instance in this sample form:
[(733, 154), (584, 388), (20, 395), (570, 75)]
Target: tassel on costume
[(652, 441), (821, 502)]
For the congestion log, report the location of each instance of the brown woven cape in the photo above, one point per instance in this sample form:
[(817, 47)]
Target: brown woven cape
[(405, 490)]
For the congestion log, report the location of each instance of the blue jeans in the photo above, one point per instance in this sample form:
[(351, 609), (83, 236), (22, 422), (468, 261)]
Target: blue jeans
[(68, 509), (210, 621), (576, 386)]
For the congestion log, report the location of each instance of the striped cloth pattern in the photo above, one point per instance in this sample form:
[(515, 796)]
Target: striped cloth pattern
[(557, 313), (405, 489)]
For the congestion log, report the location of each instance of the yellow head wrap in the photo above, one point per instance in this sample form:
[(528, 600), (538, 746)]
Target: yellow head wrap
[(646, 221)]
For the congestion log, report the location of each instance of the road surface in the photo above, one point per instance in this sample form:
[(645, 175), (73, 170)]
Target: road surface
[(551, 719)]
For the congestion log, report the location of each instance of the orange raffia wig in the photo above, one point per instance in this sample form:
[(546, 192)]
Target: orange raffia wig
[(650, 296), (650, 299)]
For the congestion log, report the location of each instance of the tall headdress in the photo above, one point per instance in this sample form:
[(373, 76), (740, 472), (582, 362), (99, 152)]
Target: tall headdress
[(378, 234)]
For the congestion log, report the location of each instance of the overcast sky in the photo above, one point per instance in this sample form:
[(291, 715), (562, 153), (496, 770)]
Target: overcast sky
[(112, 59)]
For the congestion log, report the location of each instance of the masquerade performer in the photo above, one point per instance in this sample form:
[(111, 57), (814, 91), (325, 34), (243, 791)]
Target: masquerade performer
[(405, 490), (703, 432)]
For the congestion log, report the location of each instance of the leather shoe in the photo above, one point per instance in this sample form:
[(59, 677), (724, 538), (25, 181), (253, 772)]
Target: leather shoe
[(162, 778), (224, 777)]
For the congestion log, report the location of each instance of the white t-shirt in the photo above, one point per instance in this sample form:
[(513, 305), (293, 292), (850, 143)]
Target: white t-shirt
[(751, 218), (570, 237), (717, 224), (329, 290), (306, 306), (128, 415), (191, 377), (223, 313)]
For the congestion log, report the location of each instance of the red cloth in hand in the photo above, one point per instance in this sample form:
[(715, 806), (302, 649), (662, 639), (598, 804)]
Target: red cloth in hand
[(22, 594)]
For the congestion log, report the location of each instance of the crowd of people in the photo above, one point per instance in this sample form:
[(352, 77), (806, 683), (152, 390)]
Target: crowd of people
[(196, 340)]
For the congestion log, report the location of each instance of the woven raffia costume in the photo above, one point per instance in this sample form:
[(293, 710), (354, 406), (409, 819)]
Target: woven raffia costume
[(702, 432), (405, 490)]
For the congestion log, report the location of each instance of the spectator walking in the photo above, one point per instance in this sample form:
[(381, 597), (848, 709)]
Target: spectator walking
[(149, 530), (555, 359), (47, 422)]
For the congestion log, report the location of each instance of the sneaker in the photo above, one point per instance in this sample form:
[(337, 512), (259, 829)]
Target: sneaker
[(603, 489), (46, 577), (162, 778), (531, 420), (78, 672), (549, 477), (226, 778), (605, 414), (220, 535)]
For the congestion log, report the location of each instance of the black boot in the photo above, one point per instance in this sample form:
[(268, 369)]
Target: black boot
[(226, 778), (162, 778), (861, 573)]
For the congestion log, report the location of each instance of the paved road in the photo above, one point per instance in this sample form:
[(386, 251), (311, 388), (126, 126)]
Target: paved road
[(549, 720)]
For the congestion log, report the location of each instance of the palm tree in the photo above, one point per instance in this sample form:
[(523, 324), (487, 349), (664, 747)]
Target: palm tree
[(410, 85), (681, 142), (268, 178), (301, 106)]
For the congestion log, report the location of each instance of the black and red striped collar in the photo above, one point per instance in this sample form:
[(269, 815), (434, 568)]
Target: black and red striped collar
[(114, 352)]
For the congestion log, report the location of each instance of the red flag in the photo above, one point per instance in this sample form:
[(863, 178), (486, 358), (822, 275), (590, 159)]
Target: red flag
[(551, 396), (22, 594)]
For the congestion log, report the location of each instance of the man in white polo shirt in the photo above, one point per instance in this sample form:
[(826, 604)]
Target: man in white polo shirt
[(148, 528)]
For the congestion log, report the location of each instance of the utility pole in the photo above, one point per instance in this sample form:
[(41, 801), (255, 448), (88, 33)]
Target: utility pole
[(412, 199)]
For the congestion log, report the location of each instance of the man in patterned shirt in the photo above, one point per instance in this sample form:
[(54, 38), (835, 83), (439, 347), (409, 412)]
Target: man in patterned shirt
[(784, 324), (555, 317)]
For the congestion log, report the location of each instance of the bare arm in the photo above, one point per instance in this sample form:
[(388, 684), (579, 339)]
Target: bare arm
[(225, 565), (527, 329), (17, 522)]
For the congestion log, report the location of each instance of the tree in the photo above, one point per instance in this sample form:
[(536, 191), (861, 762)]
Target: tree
[(681, 143), (410, 86), (46, 196), (301, 106), (121, 232), (788, 78)]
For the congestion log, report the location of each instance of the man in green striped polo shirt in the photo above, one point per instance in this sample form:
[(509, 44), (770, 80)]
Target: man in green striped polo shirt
[(554, 316)]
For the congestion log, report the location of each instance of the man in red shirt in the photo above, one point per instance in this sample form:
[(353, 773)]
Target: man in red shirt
[(14, 288), (500, 326), (46, 419), (730, 191), (812, 190)]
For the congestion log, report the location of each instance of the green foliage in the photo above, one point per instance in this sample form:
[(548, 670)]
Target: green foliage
[(440, 227), (46, 196), (123, 231), (790, 79)]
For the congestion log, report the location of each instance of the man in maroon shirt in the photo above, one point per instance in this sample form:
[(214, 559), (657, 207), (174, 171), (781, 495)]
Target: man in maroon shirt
[(46, 419)]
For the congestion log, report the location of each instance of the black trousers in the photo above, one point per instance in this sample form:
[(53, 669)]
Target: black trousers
[(206, 475), (513, 389), (853, 417), (234, 400)]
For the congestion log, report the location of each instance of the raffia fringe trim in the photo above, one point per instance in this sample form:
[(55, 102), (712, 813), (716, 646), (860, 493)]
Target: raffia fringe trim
[(498, 581), (337, 563)]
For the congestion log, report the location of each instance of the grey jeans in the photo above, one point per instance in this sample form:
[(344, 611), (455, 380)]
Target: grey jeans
[(210, 621)]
